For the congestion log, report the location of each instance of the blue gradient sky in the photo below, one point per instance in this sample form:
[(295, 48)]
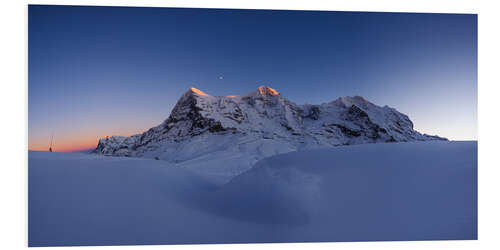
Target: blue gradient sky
[(97, 71)]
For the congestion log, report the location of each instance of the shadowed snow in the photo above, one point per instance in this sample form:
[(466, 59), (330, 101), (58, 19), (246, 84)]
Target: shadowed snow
[(396, 191)]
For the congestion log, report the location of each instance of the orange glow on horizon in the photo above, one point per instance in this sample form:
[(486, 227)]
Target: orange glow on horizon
[(64, 148), (74, 143), (67, 144)]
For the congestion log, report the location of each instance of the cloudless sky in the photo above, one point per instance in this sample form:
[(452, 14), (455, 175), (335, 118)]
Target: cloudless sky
[(98, 71)]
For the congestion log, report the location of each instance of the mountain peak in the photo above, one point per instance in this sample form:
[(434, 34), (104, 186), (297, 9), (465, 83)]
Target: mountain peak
[(198, 92), (354, 100), (262, 123), (267, 91)]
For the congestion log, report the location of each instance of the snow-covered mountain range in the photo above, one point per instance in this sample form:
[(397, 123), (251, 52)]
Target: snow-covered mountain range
[(223, 136)]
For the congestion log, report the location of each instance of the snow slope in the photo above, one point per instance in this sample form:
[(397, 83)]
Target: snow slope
[(390, 191), (202, 129)]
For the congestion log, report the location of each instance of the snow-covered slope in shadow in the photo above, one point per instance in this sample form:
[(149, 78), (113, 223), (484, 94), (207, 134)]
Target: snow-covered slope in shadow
[(396, 191)]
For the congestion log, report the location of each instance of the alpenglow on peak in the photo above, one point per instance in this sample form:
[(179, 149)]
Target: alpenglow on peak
[(264, 90), (199, 92)]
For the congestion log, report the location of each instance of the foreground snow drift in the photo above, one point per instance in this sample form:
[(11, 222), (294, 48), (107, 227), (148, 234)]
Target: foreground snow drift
[(401, 191), (396, 191)]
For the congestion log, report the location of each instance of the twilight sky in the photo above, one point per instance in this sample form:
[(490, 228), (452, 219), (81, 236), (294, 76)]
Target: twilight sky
[(98, 71)]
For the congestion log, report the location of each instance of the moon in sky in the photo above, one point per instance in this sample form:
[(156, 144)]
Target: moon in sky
[(220, 77)]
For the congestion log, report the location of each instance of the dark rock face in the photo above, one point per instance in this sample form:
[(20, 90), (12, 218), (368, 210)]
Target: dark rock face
[(355, 113), (216, 128), (347, 131), (357, 123), (188, 113), (313, 113)]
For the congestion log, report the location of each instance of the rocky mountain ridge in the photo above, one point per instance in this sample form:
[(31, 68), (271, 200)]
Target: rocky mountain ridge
[(224, 135)]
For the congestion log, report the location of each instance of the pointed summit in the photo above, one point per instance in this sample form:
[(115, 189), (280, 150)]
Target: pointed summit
[(354, 100), (198, 92), (267, 91)]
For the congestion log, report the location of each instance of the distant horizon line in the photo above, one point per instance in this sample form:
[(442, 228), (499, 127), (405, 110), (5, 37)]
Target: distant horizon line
[(92, 148)]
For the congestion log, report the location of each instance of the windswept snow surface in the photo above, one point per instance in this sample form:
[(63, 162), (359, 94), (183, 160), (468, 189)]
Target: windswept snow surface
[(369, 192)]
